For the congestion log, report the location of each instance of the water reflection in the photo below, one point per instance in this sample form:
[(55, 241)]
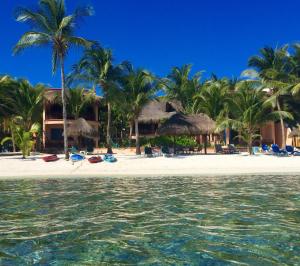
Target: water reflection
[(179, 221)]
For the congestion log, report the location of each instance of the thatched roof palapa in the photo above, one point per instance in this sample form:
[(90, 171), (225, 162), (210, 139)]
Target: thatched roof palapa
[(180, 124), (80, 127), (158, 110), (295, 133), (53, 95)]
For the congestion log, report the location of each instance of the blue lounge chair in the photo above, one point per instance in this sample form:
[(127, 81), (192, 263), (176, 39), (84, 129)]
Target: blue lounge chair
[(265, 148), (277, 151), (255, 150), (148, 152), (291, 150), (109, 158)]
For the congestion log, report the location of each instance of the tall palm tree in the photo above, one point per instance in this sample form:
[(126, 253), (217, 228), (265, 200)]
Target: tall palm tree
[(274, 68), (96, 67), (50, 25), (180, 86), (250, 111), (138, 88)]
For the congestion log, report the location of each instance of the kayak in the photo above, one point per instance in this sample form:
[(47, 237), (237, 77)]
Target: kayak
[(50, 158), (77, 157), (95, 159), (109, 158)]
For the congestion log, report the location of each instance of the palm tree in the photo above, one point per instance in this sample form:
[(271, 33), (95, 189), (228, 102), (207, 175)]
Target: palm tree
[(212, 99), (250, 111), (274, 68), (28, 102), (22, 138), (180, 86), (138, 88), (77, 101), (96, 67), (50, 25)]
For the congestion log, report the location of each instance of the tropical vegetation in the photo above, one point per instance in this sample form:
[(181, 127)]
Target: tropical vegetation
[(269, 90)]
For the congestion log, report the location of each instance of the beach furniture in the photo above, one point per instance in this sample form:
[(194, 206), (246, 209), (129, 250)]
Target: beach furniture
[(109, 158), (148, 152), (265, 148), (222, 150), (255, 150), (77, 157), (73, 150), (233, 149), (292, 151), (277, 151), (95, 159), (219, 148), (165, 151), (50, 158)]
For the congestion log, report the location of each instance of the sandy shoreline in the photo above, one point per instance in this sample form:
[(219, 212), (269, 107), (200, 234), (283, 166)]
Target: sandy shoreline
[(133, 166)]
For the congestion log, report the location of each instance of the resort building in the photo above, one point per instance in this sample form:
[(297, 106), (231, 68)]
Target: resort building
[(157, 111), (53, 123)]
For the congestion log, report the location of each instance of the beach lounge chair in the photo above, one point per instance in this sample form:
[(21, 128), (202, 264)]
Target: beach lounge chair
[(265, 148), (255, 150), (148, 152), (233, 149), (219, 149), (292, 151), (165, 151), (73, 150), (277, 151)]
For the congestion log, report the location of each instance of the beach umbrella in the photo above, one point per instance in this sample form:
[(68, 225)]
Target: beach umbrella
[(295, 133), (188, 125)]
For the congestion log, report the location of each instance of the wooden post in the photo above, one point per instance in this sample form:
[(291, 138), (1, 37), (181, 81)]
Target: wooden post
[(205, 143)]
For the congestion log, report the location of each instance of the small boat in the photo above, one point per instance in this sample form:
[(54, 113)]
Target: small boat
[(109, 158), (50, 158), (95, 159), (77, 157)]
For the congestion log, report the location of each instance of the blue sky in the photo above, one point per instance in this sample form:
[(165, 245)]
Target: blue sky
[(215, 36)]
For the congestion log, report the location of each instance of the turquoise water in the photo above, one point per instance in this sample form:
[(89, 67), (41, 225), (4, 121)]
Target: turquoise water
[(151, 221)]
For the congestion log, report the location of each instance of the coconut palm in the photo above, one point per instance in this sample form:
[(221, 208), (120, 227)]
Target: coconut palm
[(50, 25), (181, 86), (28, 102), (96, 67), (274, 67), (138, 88), (250, 111), (213, 97)]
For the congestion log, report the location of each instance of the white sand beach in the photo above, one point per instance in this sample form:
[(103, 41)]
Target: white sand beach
[(133, 166)]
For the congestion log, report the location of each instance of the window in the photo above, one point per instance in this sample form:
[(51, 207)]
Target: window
[(56, 134)]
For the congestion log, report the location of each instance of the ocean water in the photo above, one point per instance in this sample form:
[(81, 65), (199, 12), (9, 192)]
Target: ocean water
[(246, 220)]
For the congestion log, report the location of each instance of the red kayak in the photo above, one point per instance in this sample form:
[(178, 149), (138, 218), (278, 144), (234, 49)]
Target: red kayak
[(50, 158), (95, 159)]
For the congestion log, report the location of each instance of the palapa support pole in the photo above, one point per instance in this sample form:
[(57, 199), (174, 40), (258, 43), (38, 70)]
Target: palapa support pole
[(205, 143)]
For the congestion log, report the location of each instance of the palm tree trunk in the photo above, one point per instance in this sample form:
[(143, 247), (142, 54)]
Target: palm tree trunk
[(137, 138), (281, 125), (250, 144), (63, 97), (108, 129), (13, 138)]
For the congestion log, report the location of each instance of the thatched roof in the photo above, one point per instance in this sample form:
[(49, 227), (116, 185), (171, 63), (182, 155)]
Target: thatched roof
[(180, 124), (81, 127), (295, 133), (158, 110), (51, 95)]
